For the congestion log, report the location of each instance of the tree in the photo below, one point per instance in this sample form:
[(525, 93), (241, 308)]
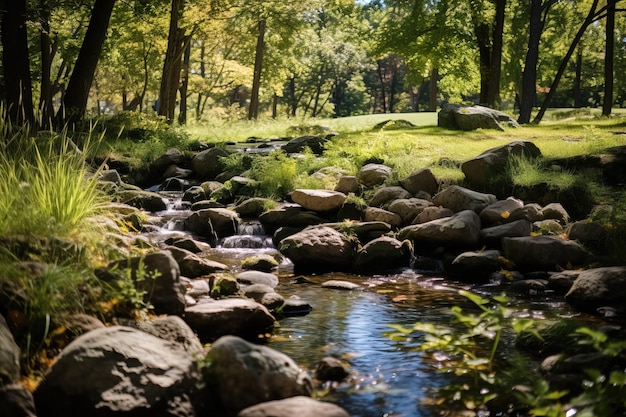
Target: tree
[(75, 99), (609, 54), (538, 13), (16, 63), (253, 110)]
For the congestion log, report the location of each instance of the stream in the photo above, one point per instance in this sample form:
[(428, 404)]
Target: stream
[(387, 378)]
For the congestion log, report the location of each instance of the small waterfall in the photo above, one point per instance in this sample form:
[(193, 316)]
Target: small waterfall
[(251, 235)]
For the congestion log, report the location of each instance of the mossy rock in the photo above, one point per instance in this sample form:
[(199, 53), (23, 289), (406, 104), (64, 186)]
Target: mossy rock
[(394, 125), (264, 263), (224, 286)]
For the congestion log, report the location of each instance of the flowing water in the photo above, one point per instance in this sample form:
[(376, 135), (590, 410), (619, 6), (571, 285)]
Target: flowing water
[(387, 378)]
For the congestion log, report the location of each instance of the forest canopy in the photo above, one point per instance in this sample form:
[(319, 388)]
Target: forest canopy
[(67, 60)]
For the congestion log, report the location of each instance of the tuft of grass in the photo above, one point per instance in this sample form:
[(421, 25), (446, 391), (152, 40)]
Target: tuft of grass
[(527, 172)]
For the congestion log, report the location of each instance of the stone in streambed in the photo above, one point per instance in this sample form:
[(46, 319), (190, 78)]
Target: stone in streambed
[(318, 200), (460, 230), (295, 406), (383, 254)]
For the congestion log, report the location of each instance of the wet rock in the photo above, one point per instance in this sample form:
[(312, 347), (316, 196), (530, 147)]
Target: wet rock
[(16, 401), (9, 355), (385, 195), (242, 374), (172, 329), (529, 287), (531, 212), (500, 211), (172, 156), (265, 295), (592, 235), (562, 282), (408, 209), (160, 280), (347, 184), (318, 249), (459, 117), (421, 180), (208, 164), (318, 200), (110, 175), (555, 211), (383, 254), (599, 287), (331, 369), (224, 286), (257, 277), (295, 306), (237, 316), (120, 370), (458, 198), (371, 175), (432, 213), (174, 171), (253, 207), (194, 194), (192, 266), (543, 252), (144, 200), (289, 216), (197, 288), (335, 284), (188, 244), (475, 266), (315, 143), (224, 222), (374, 214), (74, 325), (494, 234), (460, 230), (295, 406), (262, 263)]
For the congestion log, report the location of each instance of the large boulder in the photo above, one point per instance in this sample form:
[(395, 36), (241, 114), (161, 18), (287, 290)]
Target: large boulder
[(384, 195), (494, 234), (421, 180), (491, 163), (318, 200), (408, 209), (599, 287), (120, 371), (474, 266), (543, 252), (460, 230), (315, 143), (192, 266), (16, 401), (237, 316), (289, 216), (252, 207), (220, 222), (257, 277), (173, 329), (375, 214), (500, 211), (458, 198), (208, 164), (144, 200), (318, 249), (295, 406), (172, 156), (383, 254), (371, 175), (241, 374), (9, 355), (459, 117), (157, 275)]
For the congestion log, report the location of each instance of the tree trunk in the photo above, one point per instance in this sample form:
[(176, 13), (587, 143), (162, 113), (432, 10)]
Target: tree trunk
[(77, 93), (171, 65), (557, 78), (578, 84), (16, 64), (184, 86), (45, 99), (483, 40), (529, 76), (433, 90), (607, 104), (383, 95), (495, 62), (253, 110), (202, 74)]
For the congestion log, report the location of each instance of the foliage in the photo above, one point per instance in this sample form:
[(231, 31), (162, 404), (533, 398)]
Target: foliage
[(488, 377)]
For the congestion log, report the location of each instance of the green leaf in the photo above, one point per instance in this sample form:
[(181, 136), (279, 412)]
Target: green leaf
[(618, 378)]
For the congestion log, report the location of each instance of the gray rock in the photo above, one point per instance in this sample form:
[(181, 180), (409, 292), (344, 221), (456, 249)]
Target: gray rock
[(288, 216), (144, 200), (257, 277), (173, 329), (110, 175), (531, 212), (241, 375), (458, 198), (336, 284), (315, 143), (459, 117), (529, 287), (188, 244), (192, 266), (385, 195), (500, 211), (252, 207), (265, 295), (331, 369), (374, 214), (347, 184), (295, 406), (409, 209), (295, 306), (224, 285), (371, 175), (599, 287), (555, 211), (421, 180), (543, 252), (475, 266), (213, 222), (120, 370), (197, 288), (237, 316), (494, 234), (460, 230), (492, 163), (172, 156), (9, 355), (318, 200), (16, 401), (318, 249), (194, 194), (383, 254), (591, 234), (562, 282), (548, 227), (208, 164), (432, 213)]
